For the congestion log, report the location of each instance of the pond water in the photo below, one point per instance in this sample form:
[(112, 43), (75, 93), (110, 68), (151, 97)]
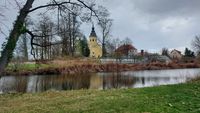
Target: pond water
[(132, 79)]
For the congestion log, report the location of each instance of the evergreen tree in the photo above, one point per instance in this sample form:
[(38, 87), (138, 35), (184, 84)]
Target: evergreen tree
[(189, 53), (165, 52), (85, 51)]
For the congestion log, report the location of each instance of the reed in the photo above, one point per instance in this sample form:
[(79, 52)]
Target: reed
[(79, 66)]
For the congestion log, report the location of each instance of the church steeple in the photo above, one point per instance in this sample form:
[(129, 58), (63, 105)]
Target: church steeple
[(95, 48), (93, 33)]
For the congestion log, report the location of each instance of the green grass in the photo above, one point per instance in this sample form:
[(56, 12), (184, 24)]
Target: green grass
[(25, 67), (182, 98)]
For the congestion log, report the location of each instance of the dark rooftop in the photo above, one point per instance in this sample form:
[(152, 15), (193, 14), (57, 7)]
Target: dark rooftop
[(93, 33)]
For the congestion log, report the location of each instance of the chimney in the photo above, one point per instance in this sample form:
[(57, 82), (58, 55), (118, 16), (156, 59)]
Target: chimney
[(142, 52)]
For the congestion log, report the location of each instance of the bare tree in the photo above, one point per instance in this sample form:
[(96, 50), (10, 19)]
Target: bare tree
[(63, 28), (69, 30), (126, 41), (196, 44), (111, 45), (105, 25), (2, 18), (19, 28), (45, 29)]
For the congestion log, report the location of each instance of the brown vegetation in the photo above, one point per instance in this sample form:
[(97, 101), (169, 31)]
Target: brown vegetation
[(80, 66)]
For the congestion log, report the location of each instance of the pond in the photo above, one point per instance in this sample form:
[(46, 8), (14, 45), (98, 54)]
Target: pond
[(131, 79)]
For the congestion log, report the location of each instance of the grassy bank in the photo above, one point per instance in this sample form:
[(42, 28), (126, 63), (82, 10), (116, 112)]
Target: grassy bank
[(183, 98)]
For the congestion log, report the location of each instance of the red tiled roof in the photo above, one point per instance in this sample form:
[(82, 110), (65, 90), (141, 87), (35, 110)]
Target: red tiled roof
[(124, 49)]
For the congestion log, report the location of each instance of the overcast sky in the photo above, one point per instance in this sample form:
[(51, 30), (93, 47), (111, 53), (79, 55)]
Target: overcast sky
[(151, 24)]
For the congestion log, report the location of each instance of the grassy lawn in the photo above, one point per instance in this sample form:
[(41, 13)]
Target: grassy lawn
[(183, 98)]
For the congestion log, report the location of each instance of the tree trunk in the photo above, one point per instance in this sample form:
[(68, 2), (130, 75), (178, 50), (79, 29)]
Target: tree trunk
[(73, 34), (103, 45), (14, 35), (25, 51), (70, 33)]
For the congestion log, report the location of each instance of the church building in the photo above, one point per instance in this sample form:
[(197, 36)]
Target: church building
[(95, 48)]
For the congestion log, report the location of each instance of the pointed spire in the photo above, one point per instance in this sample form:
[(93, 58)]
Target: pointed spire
[(93, 30), (93, 27), (93, 33)]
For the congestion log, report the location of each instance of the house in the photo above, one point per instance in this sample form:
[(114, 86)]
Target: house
[(126, 50), (95, 48), (175, 54)]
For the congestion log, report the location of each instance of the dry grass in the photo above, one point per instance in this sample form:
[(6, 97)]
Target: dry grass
[(87, 65), (73, 62)]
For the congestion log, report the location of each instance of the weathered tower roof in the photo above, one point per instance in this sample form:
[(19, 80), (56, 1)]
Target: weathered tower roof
[(93, 33)]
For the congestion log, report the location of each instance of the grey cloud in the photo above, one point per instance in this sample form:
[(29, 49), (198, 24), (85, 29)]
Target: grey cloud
[(152, 24), (155, 23), (167, 7)]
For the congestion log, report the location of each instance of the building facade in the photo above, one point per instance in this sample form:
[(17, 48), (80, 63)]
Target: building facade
[(126, 50), (175, 54), (95, 48)]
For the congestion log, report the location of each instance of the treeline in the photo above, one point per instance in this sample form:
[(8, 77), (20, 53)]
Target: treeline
[(53, 40), (58, 34)]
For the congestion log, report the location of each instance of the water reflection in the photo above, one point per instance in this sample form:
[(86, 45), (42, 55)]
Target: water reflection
[(58, 82), (118, 80), (95, 81)]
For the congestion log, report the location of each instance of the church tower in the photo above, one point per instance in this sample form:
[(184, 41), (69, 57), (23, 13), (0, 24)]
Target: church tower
[(95, 48)]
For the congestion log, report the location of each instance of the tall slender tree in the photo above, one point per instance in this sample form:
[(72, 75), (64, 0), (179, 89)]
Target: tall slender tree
[(105, 25), (196, 44), (44, 30), (17, 30)]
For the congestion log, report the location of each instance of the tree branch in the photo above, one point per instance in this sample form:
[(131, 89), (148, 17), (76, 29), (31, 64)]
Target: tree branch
[(90, 8), (54, 4)]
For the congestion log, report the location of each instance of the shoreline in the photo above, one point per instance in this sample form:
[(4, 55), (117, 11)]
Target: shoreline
[(96, 68)]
